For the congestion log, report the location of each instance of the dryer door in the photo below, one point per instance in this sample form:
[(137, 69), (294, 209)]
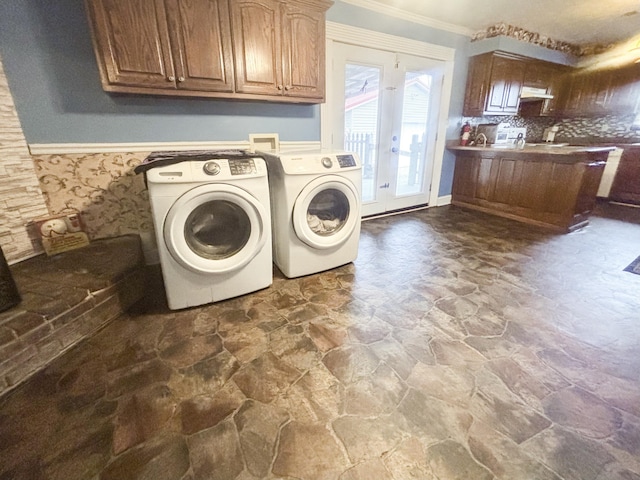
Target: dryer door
[(326, 212), (215, 228)]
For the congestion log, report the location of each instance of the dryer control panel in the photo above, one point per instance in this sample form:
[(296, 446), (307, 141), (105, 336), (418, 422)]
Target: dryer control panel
[(312, 162), (346, 160)]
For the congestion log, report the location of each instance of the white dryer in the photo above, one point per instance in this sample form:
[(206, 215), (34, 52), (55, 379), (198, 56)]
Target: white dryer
[(316, 202), (213, 228)]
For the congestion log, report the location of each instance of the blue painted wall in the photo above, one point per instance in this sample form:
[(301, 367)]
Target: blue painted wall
[(51, 68)]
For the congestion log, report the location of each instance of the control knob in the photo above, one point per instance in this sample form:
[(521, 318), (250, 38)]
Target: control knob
[(211, 168), (326, 162)]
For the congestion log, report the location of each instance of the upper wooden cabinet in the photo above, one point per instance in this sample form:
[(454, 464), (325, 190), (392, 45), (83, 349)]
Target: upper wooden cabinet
[(494, 82), (213, 48), (547, 76), (279, 48), (602, 92), (586, 93)]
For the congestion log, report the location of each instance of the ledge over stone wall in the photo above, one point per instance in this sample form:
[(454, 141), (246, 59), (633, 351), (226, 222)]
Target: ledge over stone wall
[(65, 299)]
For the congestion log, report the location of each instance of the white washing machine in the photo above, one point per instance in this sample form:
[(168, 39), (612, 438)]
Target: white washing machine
[(213, 228), (316, 200)]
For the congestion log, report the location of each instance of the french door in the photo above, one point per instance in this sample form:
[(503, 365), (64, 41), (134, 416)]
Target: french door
[(386, 110)]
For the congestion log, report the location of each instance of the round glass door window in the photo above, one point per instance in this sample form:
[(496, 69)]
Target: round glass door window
[(217, 229), (328, 212)]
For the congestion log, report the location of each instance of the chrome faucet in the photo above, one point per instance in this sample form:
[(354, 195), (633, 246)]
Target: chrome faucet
[(520, 141), (484, 139)]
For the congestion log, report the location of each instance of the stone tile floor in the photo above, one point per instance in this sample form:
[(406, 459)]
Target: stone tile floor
[(457, 346)]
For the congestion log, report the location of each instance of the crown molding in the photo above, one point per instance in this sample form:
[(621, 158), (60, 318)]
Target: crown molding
[(410, 17)]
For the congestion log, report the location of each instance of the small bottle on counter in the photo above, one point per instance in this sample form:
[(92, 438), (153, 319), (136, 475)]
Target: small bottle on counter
[(465, 133)]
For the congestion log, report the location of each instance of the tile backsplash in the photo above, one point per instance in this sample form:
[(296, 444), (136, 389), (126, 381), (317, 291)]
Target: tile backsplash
[(605, 129)]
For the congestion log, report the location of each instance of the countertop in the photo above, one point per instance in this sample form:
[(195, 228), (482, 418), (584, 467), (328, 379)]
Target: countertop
[(536, 149)]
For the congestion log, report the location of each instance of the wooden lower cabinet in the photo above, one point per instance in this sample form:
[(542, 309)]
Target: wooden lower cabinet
[(557, 191), (626, 183)]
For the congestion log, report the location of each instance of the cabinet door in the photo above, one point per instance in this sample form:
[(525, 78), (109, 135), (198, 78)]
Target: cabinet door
[(303, 51), (600, 95), (576, 94), (548, 76), (624, 97), (507, 76), (258, 53), (477, 85), (201, 43), (132, 42)]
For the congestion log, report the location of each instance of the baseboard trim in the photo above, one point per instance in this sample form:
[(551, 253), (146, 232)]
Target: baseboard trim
[(395, 212), (625, 204), (444, 200)]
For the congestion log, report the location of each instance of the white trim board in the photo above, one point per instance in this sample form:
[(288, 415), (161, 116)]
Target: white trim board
[(444, 200), (340, 33), (80, 148), (383, 41), (410, 17)]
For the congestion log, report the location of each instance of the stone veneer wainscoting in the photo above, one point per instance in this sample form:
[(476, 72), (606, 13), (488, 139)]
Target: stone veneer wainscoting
[(21, 199)]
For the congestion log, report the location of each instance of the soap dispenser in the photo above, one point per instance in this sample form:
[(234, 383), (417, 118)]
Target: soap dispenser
[(549, 134)]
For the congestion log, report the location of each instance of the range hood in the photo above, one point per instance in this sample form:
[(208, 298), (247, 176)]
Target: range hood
[(530, 94)]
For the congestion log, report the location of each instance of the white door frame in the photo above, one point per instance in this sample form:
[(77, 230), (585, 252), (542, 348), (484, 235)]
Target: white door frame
[(337, 32)]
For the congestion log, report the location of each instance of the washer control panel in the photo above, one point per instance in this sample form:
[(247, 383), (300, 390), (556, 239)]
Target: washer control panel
[(322, 161), (245, 166)]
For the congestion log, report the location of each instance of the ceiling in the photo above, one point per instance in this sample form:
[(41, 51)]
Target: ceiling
[(578, 22)]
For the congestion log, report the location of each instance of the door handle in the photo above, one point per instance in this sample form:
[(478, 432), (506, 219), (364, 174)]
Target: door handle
[(394, 150), (384, 185)]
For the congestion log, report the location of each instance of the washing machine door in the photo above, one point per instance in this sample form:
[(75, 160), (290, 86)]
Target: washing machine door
[(326, 212), (215, 228)]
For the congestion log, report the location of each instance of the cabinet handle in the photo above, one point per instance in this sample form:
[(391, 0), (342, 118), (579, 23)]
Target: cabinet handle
[(279, 87), (288, 87), (181, 79), (171, 78)]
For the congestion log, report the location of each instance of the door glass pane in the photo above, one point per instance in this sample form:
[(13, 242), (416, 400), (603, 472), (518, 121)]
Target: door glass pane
[(328, 211), (361, 104), (413, 133), (217, 230)]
